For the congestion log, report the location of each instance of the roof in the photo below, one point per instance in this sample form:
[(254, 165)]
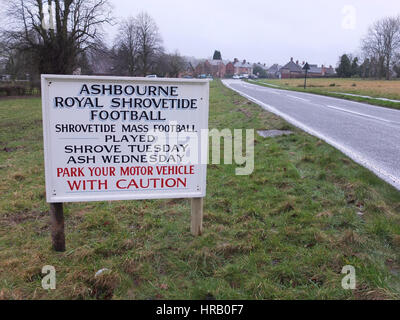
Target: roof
[(218, 62), (292, 67), (330, 70), (274, 68), (242, 65), (314, 69), (195, 63), (215, 62)]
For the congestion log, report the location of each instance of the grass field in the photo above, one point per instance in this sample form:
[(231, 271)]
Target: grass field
[(335, 86), (284, 232)]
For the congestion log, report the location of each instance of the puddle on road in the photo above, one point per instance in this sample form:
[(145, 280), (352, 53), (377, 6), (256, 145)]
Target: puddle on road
[(273, 133)]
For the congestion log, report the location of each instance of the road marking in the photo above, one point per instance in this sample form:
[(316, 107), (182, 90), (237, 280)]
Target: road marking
[(357, 157), (362, 114), (302, 99), (259, 88)]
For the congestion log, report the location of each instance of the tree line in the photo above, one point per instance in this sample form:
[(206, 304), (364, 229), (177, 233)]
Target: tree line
[(59, 36), (380, 51)]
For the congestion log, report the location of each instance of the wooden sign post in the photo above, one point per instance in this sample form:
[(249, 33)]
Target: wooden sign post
[(197, 216), (119, 138), (57, 226)]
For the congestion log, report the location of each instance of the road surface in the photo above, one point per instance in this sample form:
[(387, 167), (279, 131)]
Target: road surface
[(368, 134)]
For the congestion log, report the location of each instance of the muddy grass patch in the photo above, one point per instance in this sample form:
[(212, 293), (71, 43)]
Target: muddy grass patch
[(8, 219)]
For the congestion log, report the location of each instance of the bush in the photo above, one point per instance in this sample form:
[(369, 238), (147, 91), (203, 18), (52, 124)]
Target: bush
[(18, 90), (12, 90)]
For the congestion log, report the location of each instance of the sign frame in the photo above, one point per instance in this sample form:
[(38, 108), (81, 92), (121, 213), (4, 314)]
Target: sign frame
[(51, 194)]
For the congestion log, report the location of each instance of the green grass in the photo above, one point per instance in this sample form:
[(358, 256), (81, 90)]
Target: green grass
[(284, 232), (334, 88)]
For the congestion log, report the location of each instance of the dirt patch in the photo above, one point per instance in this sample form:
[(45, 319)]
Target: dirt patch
[(365, 293), (229, 249), (247, 113), (324, 214), (21, 217), (7, 149)]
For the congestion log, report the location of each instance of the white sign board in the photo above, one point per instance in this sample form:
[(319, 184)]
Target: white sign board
[(119, 138)]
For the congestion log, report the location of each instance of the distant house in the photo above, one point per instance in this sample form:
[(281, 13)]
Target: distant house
[(202, 67), (218, 68), (322, 71), (291, 70), (188, 72), (223, 68), (243, 67), (273, 71), (329, 72), (229, 69), (215, 68)]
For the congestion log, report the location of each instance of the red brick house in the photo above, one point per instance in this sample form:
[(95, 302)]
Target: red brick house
[(243, 67), (216, 68), (203, 68), (291, 70), (229, 69)]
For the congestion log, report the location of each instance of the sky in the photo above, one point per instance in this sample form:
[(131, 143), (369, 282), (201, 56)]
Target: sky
[(266, 31)]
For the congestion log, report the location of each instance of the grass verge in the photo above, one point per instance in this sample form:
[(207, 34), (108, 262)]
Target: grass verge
[(284, 232)]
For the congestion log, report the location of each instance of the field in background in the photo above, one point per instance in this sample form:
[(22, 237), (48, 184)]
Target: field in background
[(284, 232), (372, 88)]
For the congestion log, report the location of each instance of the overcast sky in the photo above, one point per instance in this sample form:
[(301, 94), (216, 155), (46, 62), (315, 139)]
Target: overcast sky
[(269, 31)]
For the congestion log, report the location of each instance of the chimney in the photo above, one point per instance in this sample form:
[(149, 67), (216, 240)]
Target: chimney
[(303, 63), (297, 62), (235, 60), (244, 61), (291, 59)]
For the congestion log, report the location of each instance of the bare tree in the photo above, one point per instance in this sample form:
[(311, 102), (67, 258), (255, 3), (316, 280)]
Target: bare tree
[(138, 46), (4, 52), (161, 66), (383, 42), (149, 42), (19, 65), (126, 51), (73, 27), (177, 64)]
